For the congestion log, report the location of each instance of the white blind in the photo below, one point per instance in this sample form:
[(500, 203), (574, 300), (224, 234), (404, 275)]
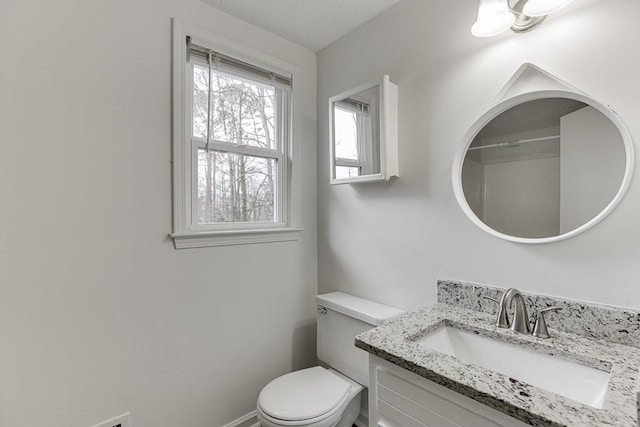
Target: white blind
[(243, 68)]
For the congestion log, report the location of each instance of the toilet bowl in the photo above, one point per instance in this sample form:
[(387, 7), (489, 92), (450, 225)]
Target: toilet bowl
[(321, 397), (313, 397)]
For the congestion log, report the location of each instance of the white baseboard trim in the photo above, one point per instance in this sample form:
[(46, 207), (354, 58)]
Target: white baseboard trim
[(249, 420), (363, 419)]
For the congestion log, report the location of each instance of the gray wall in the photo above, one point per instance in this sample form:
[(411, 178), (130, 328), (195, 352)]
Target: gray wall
[(592, 165), (537, 181), (391, 241), (98, 313)]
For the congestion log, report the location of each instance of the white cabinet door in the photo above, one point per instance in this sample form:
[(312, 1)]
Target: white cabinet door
[(399, 398), (393, 417)]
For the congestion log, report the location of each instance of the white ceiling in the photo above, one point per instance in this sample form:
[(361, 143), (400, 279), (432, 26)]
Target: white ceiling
[(311, 23)]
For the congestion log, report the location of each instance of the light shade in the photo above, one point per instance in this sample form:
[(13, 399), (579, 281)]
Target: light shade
[(543, 7), (494, 18)]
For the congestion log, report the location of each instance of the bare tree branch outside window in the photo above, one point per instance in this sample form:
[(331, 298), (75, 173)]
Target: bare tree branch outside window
[(233, 187)]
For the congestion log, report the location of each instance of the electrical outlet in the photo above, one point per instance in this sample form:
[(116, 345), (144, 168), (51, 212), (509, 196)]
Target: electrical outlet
[(123, 420)]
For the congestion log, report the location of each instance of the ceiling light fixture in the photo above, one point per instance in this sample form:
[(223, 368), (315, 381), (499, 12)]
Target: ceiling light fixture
[(494, 17), (497, 16)]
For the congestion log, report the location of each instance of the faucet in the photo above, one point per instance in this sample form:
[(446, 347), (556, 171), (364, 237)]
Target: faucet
[(520, 322)]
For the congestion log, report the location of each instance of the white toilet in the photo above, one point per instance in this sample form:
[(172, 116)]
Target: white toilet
[(319, 397)]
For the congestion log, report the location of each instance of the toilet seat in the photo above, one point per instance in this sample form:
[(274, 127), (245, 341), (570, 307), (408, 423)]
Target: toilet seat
[(328, 420), (313, 397)]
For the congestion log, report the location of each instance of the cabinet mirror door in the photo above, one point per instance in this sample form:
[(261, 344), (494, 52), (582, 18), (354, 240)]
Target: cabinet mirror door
[(363, 132)]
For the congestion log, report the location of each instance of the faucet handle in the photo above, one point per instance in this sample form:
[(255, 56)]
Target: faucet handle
[(502, 321), (540, 327)]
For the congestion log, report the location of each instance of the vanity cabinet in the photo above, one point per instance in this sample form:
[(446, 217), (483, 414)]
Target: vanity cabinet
[(399, 398)]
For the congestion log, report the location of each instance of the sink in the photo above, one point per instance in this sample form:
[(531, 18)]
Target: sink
[(569, 379)]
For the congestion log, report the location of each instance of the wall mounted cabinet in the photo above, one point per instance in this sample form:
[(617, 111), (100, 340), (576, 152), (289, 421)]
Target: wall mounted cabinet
[(363, 129)]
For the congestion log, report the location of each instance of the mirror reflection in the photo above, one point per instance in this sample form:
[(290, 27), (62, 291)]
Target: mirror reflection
[(543, 168), (356, 136)]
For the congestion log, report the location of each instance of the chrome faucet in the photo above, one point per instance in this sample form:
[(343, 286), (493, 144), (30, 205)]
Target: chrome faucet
[(520, 321)]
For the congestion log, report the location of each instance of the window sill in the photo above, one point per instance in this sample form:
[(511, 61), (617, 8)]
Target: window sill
[(204, 239)]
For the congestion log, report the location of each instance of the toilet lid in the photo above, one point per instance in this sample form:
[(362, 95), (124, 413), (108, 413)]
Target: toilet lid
[(304, 394)]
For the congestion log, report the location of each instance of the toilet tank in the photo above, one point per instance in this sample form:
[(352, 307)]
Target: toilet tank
[(347, 316)]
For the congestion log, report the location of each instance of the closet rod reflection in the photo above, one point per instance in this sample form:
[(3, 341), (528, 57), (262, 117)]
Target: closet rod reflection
[(515, 143)]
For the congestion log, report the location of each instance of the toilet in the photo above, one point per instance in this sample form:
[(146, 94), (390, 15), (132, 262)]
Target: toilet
[(327, 396)]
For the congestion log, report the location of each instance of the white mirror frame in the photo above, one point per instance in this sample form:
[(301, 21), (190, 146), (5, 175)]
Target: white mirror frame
[(505, 103), (388, 132)]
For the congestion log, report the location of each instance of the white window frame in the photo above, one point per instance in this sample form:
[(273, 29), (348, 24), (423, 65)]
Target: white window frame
[(361, 145), (187, 233)]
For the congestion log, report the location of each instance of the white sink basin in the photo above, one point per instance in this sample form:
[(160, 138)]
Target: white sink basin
[(569, 379)]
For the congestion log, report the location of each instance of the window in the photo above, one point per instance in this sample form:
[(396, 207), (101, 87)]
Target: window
[(355, 134), (232, 147), (351, 122)]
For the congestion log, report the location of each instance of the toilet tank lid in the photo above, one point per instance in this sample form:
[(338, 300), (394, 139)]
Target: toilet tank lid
[(359, 308)]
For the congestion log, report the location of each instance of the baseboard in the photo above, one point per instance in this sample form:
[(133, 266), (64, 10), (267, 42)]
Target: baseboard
[(363, 419), (249, 420)]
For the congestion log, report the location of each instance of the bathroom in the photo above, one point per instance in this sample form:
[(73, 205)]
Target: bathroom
[(100, 315)]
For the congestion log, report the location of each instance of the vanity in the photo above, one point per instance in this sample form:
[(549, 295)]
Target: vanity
[(450, 365)]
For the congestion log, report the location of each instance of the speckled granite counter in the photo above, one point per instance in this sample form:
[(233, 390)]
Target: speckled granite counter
[(396, 343)]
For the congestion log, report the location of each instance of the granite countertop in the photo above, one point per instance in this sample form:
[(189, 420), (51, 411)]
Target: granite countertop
[(396, 343)]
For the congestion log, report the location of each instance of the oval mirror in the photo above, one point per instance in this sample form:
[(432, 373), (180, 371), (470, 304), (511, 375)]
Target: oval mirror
[(543, 166)]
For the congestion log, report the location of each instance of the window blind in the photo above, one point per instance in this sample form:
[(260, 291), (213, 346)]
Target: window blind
[(353, 103), (225, 61)]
